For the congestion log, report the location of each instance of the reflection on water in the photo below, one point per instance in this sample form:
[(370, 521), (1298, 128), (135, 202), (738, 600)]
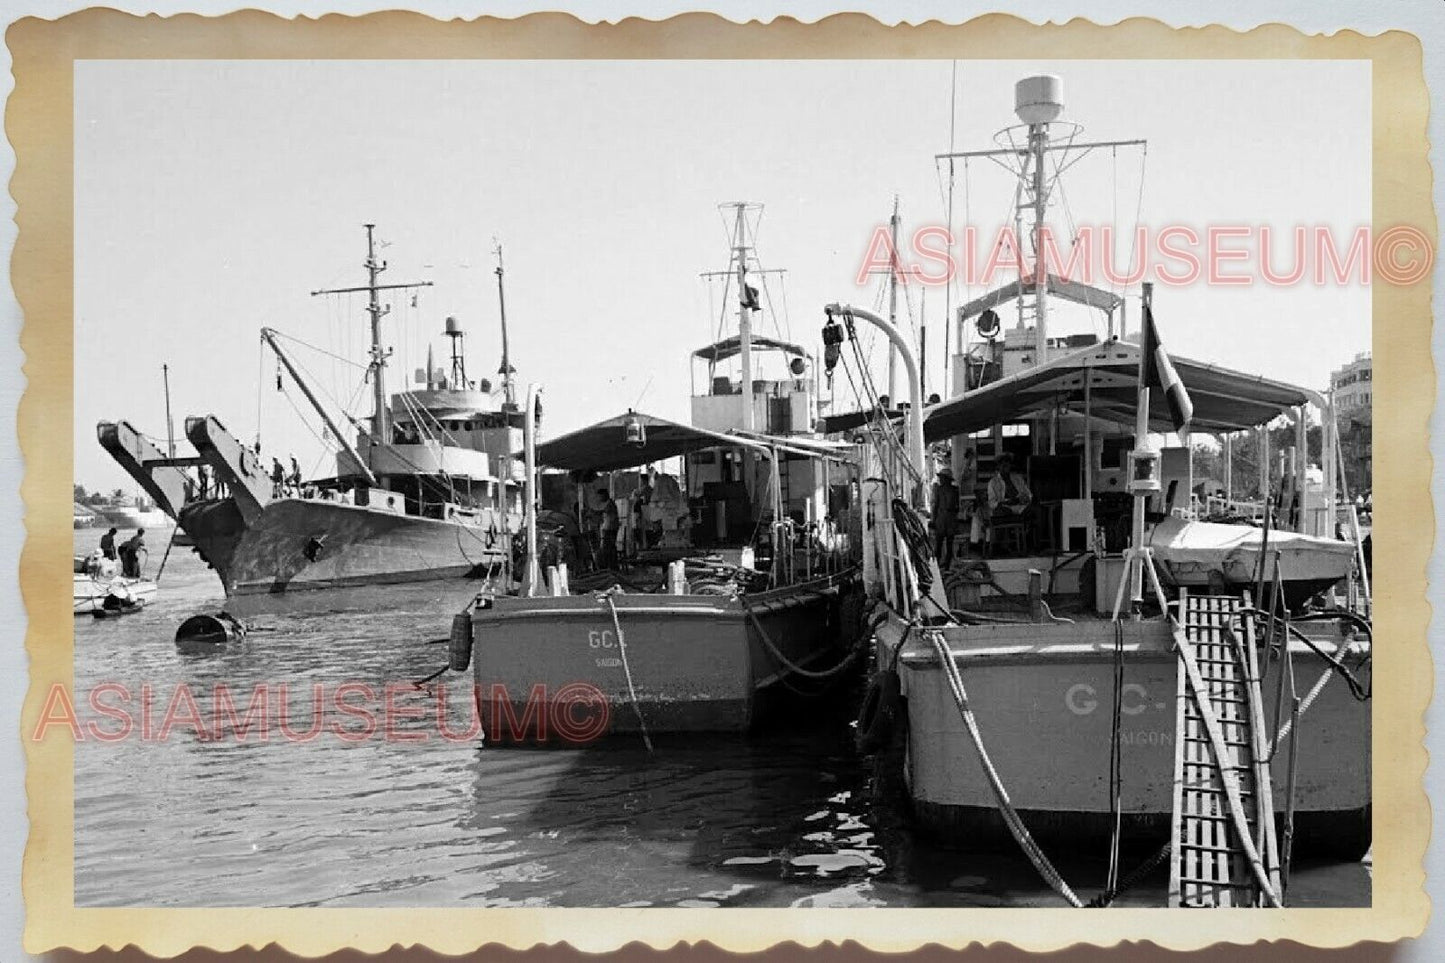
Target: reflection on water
[(324, 814)]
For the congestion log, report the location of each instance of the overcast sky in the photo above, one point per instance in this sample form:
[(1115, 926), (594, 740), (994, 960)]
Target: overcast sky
[(213, 196)]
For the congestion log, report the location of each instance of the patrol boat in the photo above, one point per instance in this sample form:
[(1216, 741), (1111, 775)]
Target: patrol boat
[(1057, 689), (730, 591), (427, 487)]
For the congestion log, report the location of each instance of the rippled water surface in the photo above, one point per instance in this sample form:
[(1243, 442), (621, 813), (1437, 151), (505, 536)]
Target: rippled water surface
[(349, 819)]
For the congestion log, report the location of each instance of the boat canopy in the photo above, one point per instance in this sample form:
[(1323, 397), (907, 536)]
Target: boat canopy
[(1075, 291), (849, 420), (604, 445), (729, 347), (1224, 400)]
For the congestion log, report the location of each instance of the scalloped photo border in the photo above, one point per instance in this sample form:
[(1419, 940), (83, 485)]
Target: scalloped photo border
[(39, 122)]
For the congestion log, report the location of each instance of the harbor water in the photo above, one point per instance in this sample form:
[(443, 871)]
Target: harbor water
[(381, 799)]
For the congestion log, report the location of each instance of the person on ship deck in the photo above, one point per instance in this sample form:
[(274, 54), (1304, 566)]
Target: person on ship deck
[(1008, 498), (945, 517)]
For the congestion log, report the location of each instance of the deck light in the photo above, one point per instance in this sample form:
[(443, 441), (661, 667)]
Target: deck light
[(634, 432)]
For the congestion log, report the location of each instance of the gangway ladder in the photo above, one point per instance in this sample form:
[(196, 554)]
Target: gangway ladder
[(1224, 851)]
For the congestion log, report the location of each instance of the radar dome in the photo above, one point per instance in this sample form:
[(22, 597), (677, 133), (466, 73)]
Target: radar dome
[(1039, 100)]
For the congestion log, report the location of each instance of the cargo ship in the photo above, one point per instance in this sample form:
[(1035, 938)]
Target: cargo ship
[(424, 488)]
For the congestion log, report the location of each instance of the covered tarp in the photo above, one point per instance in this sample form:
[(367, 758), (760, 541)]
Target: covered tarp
[(730, 347), (1224, 400), (1189, 552)]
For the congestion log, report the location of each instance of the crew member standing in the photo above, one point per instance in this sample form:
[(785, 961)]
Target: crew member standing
[(107, 545), (607, 547), (945, 517), (130, 554)]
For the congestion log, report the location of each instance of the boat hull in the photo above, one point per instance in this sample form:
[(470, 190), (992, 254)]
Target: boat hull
[(299, 544), (90, 592), (1042, 695), (697, 663)]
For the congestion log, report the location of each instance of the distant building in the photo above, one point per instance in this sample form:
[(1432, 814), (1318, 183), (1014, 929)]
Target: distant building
[(1353, 387), (1353, 384)]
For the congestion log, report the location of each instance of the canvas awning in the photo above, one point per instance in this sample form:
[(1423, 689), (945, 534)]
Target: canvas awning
[(602, 447), (1075, 291), (849, 420), (1224, 400), (730, 347)]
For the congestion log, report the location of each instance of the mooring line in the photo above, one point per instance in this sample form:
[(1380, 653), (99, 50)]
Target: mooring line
[(627, 669)]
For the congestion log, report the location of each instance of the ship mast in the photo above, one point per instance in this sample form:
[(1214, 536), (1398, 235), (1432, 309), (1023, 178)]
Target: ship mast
[(748, 305), (380, 419), (745, 325), (509, 391), (1038, 102)]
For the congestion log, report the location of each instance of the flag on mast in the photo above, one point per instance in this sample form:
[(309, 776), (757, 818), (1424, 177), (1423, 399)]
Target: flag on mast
[(1157, 371)]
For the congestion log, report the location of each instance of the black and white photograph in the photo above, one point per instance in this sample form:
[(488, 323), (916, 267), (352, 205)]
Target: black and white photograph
[(723, 483)]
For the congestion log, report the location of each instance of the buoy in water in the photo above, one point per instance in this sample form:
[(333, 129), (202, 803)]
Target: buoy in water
[(217, 629)]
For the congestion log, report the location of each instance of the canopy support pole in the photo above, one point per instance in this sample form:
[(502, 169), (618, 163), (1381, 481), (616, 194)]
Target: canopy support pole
[(1089, 435), (1135, 563), (533, 575)]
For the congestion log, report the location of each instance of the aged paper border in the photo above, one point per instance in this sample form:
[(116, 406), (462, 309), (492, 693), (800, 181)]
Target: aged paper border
[(39, 123)]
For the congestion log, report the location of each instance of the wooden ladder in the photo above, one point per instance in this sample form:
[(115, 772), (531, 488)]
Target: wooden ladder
[(1224, 850)]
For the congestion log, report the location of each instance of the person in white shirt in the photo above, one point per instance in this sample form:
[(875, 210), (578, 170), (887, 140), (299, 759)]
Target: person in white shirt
[(1008, 492)]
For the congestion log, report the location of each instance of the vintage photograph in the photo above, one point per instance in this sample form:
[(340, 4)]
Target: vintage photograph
[(723, 483)]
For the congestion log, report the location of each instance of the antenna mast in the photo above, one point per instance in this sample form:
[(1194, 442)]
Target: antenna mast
[(1038, 102), (380, 419), (509, 391), (893, 303), (170, 426)]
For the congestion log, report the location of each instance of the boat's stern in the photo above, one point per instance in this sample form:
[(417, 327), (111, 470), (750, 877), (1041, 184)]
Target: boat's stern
[(569, 670)]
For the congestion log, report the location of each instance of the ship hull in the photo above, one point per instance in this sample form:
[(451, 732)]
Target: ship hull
[(692, 663), (1042, 696), (305, 544)]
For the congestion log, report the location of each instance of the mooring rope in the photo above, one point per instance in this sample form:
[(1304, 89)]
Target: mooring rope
[(166, 557), (1107, 897), (626, 668), (1010, 815), (788, 663), (1116, 762)]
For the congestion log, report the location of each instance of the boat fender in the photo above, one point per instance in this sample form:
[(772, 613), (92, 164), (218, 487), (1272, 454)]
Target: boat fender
[(879, 714), (459, 644)]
